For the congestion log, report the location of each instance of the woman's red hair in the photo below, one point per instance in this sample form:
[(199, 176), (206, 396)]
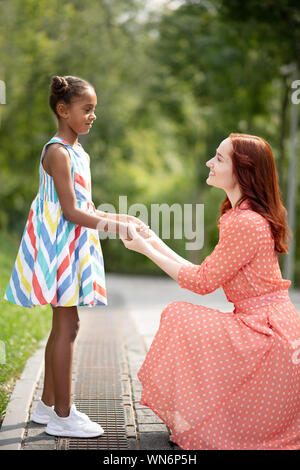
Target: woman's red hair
[(254, 166)]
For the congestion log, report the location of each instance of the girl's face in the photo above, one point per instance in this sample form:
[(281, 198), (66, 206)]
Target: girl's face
[(220, 166), (80, 113)]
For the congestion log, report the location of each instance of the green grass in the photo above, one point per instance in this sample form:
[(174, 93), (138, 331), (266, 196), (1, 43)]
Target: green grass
[(21, 328)]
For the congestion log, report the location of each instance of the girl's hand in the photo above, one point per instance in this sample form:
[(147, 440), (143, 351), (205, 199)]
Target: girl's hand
[(135, 241)]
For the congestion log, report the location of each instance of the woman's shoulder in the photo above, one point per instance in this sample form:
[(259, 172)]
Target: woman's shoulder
[(242, 213), (244, 220)]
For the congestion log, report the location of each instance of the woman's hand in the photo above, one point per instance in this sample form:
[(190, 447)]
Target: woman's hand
[(118, 223), (144, 246), (140, 226), (153, 239), (136, 241)]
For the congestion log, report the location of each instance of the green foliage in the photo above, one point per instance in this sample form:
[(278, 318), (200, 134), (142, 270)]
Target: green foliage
[(21, 328), (273, 25)]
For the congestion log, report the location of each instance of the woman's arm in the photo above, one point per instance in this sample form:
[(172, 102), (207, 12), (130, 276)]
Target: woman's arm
[(160, 247), (165, 262)]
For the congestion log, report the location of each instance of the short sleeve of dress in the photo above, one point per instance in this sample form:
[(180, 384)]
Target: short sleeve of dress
[(238, 245)]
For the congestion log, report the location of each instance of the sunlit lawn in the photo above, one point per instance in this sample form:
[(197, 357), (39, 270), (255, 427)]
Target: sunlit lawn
[(21, 328)]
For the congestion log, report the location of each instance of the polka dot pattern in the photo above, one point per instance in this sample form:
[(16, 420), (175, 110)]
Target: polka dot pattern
[(230, 380)]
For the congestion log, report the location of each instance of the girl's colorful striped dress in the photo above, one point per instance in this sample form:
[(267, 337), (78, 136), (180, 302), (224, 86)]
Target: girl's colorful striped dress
[(59, 262)]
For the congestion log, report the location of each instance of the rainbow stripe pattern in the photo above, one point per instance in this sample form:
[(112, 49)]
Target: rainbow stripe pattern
[(59, 262)]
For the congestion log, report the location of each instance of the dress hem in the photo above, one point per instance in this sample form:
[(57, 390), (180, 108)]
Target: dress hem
[(100, 304), (143, 401)]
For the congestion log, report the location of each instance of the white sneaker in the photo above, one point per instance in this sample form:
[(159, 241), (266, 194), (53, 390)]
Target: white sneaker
[(83, 415), (42, 413), (74, 425)]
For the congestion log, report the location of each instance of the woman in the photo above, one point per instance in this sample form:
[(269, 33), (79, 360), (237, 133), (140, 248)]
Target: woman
[(230, 380)]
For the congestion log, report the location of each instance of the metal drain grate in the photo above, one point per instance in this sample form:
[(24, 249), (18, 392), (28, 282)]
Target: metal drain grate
[(100, 385), (108, 413)]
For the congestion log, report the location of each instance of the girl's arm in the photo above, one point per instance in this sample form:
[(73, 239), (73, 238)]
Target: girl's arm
[(113, 218), (59, 166)]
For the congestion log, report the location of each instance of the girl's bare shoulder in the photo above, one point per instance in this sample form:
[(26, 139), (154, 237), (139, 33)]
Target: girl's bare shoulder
[(55, 154)]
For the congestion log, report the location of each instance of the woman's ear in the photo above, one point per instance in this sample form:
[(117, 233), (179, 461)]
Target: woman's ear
[(62, 109)]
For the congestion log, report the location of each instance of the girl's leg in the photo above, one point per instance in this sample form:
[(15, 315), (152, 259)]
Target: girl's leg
[(48, 390), (59, 358)]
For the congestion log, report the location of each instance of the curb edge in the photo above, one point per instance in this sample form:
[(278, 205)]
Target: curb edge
[(16, 416)]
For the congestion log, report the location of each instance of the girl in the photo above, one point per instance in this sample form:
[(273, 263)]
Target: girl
[(60, 261), (230, 380)]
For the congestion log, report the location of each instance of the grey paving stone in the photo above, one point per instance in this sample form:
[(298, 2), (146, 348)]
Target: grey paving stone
[(153, 427), (155, 441), (136, 385), (147, 417)]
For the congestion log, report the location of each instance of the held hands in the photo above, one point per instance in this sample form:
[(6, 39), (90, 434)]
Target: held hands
[(118, 223), (139, 226), (127, 219), (134, 233), (140, 240)]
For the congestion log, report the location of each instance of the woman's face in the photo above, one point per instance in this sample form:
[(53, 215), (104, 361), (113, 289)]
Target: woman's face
[(220, 167)]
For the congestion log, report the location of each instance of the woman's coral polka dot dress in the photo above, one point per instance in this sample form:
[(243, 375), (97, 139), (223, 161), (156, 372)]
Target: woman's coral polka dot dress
[(230, 380)]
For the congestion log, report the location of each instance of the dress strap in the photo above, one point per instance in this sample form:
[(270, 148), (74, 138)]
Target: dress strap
[(47, 189), (59, 140), (56, 140)]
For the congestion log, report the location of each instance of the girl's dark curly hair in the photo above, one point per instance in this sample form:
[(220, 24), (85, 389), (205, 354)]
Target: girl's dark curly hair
[(66, 88)]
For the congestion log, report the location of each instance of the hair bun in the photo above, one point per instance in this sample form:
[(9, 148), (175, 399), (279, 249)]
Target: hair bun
[(59, 85)]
